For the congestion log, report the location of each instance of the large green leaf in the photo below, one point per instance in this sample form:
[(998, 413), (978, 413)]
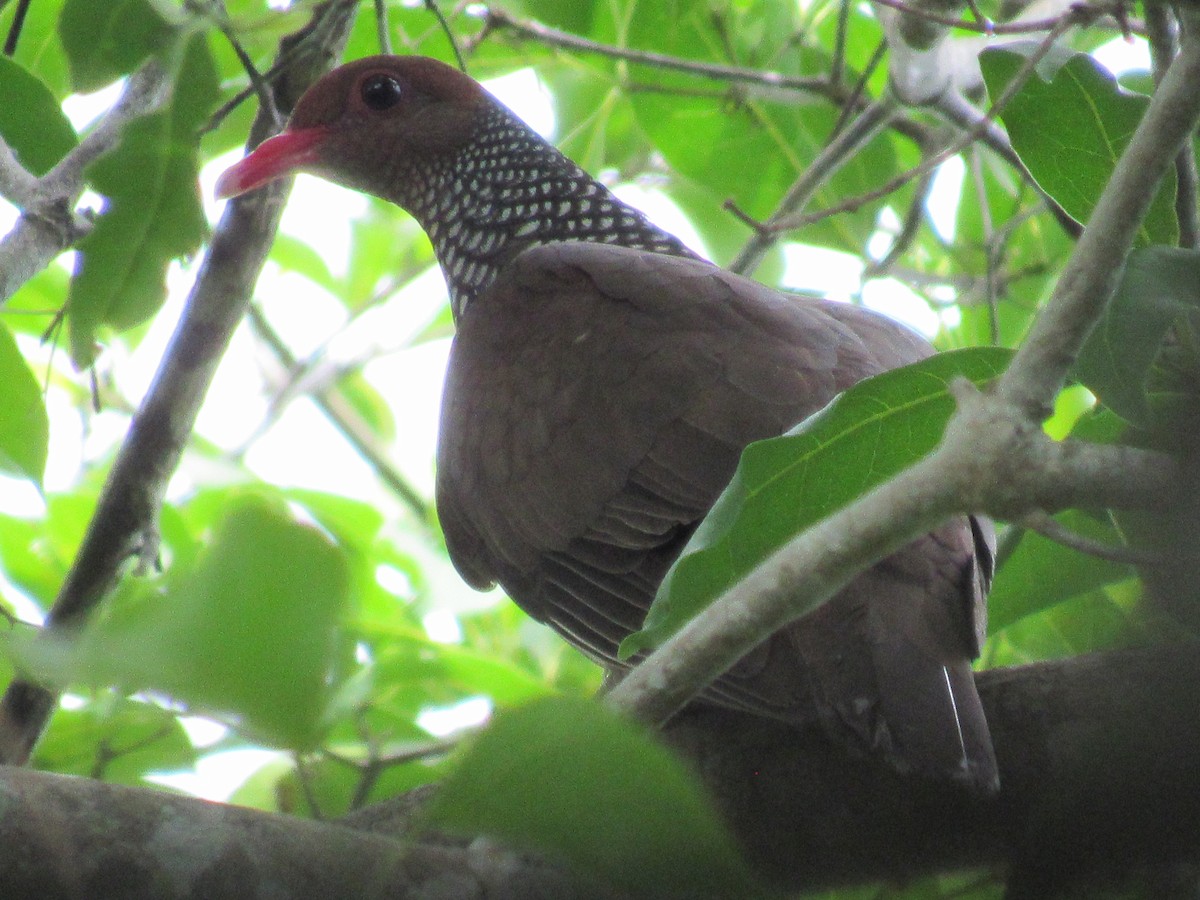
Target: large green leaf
[(31, 121), (105, 39), (783, 485), (24, 426), (153, 216), (248, 631), (1157, 285), (565, 777), (1070, 123)]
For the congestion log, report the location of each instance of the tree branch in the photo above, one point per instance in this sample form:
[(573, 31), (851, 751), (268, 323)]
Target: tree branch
[(127, 510), (1090, 276), (1096, 754), (48, 224)]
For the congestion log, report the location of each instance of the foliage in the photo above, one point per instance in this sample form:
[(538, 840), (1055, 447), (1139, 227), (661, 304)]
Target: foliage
[(304, 601)]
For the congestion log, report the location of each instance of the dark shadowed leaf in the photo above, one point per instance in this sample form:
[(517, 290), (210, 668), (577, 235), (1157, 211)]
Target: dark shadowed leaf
[(1070, 123), (1158, 284), (105, 39), (31, 121), (566, 778), (1041, 573), (24, 426), (783, 485), (153, 215)]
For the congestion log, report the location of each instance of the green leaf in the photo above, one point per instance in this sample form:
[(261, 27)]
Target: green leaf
[(708, 135), (783, 485), (154, 214), (1085, 623), (574, 16), (39, 49), (565, 777), (119, 740), (24, 426), (1070, 123), (1158, 284), (1041, 573), (249, 631), (105, 39), (31, 121)]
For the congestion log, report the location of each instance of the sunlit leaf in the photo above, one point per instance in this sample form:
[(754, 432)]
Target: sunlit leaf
[(24, 426), (1070, 123), (248, 632), (864, 437), (153, 215)]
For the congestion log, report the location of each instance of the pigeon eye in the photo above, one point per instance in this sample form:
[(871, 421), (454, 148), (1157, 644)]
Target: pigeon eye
[(381, 92)]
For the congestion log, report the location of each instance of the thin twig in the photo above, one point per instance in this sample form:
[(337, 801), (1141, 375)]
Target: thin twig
[(853, 103), (1051, 529), (258, 84), (347, 420), (854, 203), (993, 249), (835, 155), (14, 30), (382, 32), (909, 229), (432, 6), (498, 20)]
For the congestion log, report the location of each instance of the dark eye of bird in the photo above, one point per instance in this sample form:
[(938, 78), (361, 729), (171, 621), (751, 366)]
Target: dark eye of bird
[(381, 92)]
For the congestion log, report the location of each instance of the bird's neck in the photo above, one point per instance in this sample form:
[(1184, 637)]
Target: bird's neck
[(507, 190)]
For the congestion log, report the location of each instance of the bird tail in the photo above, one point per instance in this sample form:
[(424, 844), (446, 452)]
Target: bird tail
[(888, 665)]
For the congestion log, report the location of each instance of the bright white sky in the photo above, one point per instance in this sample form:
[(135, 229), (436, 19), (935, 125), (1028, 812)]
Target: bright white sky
[(300, 449)]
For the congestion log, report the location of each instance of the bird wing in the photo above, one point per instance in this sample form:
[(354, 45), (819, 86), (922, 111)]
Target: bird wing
[(599, 398)]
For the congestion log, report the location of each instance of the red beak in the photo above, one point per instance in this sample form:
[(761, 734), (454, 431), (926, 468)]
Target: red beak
[(274, 158)]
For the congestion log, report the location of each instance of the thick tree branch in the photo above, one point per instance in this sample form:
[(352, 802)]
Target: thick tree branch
[(124, 522), (1096, 753), (86, 840)]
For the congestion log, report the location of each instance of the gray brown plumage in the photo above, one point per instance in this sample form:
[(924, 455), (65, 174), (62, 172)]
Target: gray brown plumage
[(602, 384)]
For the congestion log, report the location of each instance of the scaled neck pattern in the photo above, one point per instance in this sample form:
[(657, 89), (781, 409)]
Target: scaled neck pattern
[(508, 190)]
